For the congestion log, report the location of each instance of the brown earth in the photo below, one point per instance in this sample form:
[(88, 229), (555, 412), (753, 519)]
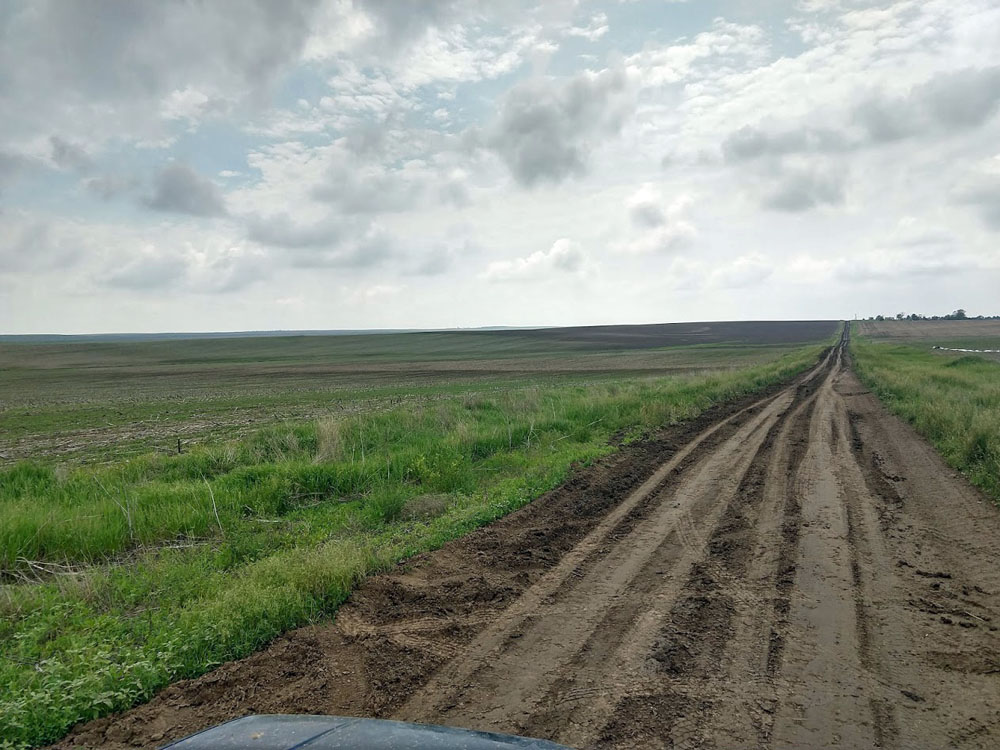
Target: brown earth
[(923, 331), (798, 571)]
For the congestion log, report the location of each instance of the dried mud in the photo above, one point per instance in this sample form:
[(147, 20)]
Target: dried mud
[(798, 570)]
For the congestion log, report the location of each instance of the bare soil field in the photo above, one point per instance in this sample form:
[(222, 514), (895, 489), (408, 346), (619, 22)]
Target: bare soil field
[(920, 331), (795, 571), (682, 334), (99, 398)]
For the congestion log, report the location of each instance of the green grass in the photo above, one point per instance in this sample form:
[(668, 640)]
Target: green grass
[(951, 399), (125, 577)]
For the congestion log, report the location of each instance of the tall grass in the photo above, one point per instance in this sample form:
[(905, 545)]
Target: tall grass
[(954, 401), (162, 567)]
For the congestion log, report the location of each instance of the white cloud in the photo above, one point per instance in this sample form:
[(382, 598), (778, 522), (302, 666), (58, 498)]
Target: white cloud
[(659, 225), (744, 271), (191, 105), (674, 63), (212, 266), (381, 290), (564, 257), (594, 30)]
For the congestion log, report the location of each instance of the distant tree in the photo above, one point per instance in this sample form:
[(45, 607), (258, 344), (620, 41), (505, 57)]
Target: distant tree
[(959, 314), (879, 317), (900, 316)]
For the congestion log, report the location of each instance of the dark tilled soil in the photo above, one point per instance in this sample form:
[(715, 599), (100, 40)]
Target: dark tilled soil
[(674, 334), (799, 570)]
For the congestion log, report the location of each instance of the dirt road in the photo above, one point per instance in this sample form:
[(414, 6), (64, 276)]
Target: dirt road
[(799, 571)]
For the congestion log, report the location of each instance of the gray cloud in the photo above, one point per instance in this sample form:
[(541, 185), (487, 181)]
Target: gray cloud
[(30, 245), (888, 265), (546, 128), (392, 174), (21, 248), (156, 47), (92, 54), (455, 192), (434, 263), (750, 142), (179, 189), (371, 249), (230, 274), (984, 196), (67, 155), (107, 187), (885, 121), (963, 99), (948, 102), (148, 272), (442, 257), (647, 213), (373, 190), (804, 189), (280, 231), (333, 242), (12, 166)]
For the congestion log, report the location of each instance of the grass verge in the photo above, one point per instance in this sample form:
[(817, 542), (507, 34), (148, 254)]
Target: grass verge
[(952, 400), (121, 579)]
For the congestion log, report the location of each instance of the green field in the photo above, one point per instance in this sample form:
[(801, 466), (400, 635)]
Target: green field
[(124, 569), (951, 398)]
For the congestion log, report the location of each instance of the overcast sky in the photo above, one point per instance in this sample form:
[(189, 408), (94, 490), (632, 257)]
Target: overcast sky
[(265, 165)]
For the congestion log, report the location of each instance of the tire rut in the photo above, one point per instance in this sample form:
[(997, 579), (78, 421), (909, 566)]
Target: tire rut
[(526, 649), (673, 557), (689, 675)]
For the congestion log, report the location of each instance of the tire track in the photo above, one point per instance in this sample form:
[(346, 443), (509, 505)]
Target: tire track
[(559, 666), (524, 649), (691, 685)]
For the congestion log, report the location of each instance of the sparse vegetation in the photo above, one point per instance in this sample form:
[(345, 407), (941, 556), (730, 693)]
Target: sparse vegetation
[(121, 578)]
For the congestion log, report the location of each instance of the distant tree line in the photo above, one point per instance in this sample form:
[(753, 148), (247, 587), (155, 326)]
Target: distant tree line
[(959, 314)]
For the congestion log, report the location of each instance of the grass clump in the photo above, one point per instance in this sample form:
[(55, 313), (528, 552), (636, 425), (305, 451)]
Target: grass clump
[(117, 580), (953, 401)]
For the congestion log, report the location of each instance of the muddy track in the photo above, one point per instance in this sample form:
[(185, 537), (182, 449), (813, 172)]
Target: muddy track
[(797, 570)]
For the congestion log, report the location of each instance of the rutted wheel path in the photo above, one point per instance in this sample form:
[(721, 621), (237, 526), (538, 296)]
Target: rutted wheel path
[(796, 571)]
